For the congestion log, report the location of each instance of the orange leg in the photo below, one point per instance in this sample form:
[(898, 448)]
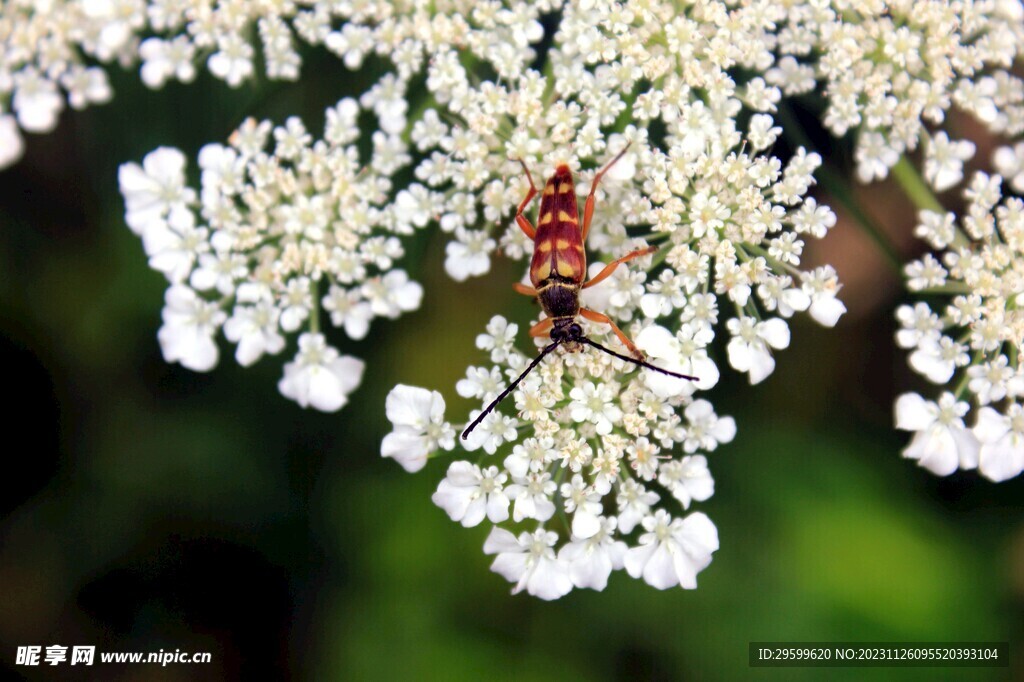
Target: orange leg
[(610, 268), (542, 328), (588, 209), (604, 319), (525, 290), (522, 220)]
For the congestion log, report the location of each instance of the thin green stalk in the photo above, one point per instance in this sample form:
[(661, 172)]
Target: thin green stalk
[(947, 288), (915, 187), (314, 312), (921, 194)]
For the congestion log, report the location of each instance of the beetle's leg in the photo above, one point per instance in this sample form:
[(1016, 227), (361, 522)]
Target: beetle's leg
[(604, 319), (542, 328), (522, 220), (610, 268), (524, 290), (588, 209)]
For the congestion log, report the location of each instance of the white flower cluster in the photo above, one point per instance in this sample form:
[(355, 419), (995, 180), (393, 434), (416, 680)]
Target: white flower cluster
[(42, 69), (971, 337), (888, 69), (576, 486), (281, 225), (55, 51), (731, 222)]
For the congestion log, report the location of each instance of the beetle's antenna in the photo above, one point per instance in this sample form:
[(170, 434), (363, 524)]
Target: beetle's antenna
[(648, 365), (511, 387)]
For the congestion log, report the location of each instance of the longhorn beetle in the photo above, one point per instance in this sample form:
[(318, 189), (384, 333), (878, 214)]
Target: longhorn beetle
[(557, 273)]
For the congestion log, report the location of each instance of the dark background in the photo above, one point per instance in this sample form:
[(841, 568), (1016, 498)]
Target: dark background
[(146, 507)]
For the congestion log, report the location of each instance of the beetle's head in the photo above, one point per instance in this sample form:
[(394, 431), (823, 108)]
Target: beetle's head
[(568, 334)]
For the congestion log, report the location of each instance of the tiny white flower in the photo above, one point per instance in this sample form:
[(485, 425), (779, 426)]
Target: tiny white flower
[(155, 189), (918, 323), (634, 503), (592, 560), (233, 60), (1001, 455), (944, 160), (532, 497), (688, 479), (822, 285), (936, 360), (990, 381), (594, 402), (673, 552), (941, 442), (499, 338), (174, 246), (494, 430), (683, 353), (480, 383), (393, 294), (706, 429), (348, 310), (86, 86), (468, 494), (255, 330), (875, 156), (469, 256), (218, 271), (749, 348), (188, 329), (297, 301), (166, 59), (533, 454), (530, 562), (36, 102), (584, 503), (318, 377), (418, 418)]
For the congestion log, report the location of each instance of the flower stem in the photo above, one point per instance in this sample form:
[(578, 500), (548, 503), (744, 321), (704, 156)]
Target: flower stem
[(924, 199), (916, 188), (947, 288), (314, 312)]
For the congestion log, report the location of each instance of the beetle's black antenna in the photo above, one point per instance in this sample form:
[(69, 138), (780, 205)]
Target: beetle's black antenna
[(648, 365), (511, 387)]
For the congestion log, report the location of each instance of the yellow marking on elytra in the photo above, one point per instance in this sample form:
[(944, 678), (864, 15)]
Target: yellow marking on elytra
[(579, 247), (564, 188), (545, 219), (543, 270), (562, 244), (549, 190), (565, 217), (566, 269), (544, 246)]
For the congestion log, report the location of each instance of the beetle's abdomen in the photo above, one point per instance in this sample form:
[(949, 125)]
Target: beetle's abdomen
[(560, 299)]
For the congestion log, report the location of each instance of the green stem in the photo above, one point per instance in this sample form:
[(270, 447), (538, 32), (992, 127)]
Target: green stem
[(837, 188), (948, 288), (915, 187), (314, 313), (919, 193)]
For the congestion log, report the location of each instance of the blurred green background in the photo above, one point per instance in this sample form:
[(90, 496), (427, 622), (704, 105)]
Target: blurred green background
[(148, 507)]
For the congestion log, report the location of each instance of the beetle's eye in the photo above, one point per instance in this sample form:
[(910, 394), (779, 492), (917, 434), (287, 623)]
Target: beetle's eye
[(575, 331)]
